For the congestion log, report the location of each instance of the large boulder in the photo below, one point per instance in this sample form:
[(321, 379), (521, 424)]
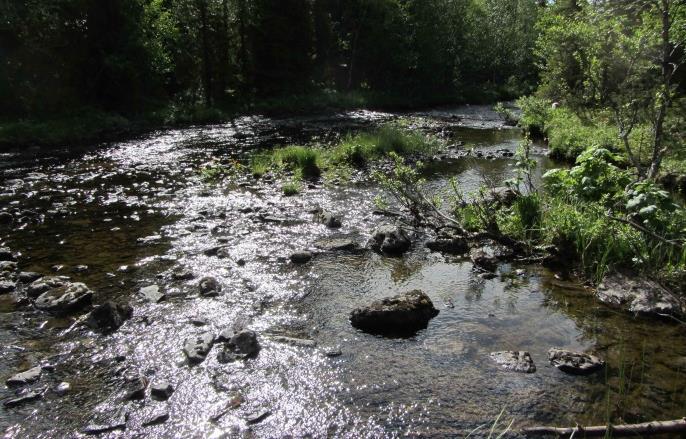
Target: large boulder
[(404, 314), (514, 361), (639, 296), (64, 299), (574, 363), (109, 316), (390, 240)]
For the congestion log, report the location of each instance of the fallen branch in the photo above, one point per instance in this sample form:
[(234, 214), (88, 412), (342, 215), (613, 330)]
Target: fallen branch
[(646, 428), (640, 228)]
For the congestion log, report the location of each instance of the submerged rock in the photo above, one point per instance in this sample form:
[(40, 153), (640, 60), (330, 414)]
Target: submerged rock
[(301, 257), (27, 377), (152, 293), (297, 342), (390, 240), (109, 316), (196, 348), (160, 416), (639, 296), (242, 345), (336, 244), (574, 363), (514, 361), (64, 299), (209, 287), (403, 314)]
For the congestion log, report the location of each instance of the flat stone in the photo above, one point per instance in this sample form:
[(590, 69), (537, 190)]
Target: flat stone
[(44, 284), (298, 342), (27, 377), (514, 361), (301, 257), (209, 287), (403, 314), (638, 296), (152, 293), (29, 276), (182, 274), (574, 363), (336, 244), (64, 299), (158, 417), (161, 390), (23, 399), (197, 347)]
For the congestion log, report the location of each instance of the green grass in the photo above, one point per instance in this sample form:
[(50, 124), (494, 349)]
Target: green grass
[(291, 188), (300, 159)]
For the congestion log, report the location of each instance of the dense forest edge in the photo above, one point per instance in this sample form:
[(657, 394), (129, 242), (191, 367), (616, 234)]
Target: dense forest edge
[(80, 71)]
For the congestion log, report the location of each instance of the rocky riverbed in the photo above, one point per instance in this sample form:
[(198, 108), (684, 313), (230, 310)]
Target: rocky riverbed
[(139, 299)]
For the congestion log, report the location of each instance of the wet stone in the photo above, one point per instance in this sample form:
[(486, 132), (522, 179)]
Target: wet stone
[(297, 342), (152, 294), (161, 390), (29, 276), (403, 314), (6, 254), (483, 259), (160, 416), (639, 296), (62, 388), (301, 257), (27, 377), (106, 423), (257, 417), (514, 361), (197, 347), (328, 219), (182, 274), (109, 316), (209, 287), (8, 266), (574, 363), (135, 388), (449, 244), (336, 244), (242, 345), (390, 240), (23, 399), (45, 284), (7, 286), (64, 299), (225, 336)]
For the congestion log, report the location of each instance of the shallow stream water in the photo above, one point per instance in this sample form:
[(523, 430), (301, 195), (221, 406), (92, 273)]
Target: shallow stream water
[(134, 211)]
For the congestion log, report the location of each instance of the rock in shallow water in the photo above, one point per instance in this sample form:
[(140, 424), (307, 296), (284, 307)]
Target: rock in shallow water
[(45, 284), (6, 254), (161, 390), (109, 316), (241, 346), (404, 314), (64, 299), (328, 219), (152, 294), (209, 287), (160, 416), (514, 361), (448, 243), (639, 296), (574, 363), (27, 377), (336, 244), (197, 347), (301, 257), (7, 286), (390, 240), (23, 399)]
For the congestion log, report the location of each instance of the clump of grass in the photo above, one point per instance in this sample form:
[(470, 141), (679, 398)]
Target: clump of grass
[(300, 159), (259, 165), (359, 149), (291, 188)]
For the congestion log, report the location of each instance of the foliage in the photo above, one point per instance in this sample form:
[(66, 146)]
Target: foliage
[(306, 161), (535, 114), (291, 188)]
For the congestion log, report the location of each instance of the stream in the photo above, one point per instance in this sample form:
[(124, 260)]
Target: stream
[(124, 216)]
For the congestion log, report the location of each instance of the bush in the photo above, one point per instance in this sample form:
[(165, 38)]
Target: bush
[(535, 114)]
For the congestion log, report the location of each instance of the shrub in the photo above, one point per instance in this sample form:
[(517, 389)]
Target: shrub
[(535, 114)]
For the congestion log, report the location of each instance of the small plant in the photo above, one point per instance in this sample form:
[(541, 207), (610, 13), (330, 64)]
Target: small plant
[(506, 113), (299, 158), (259, 165), (291, 188)]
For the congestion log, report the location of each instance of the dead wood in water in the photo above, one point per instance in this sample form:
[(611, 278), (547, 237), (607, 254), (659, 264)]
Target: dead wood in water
[(646, 429)]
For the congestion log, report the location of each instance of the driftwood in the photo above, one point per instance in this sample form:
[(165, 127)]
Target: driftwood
[(645, 429)]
